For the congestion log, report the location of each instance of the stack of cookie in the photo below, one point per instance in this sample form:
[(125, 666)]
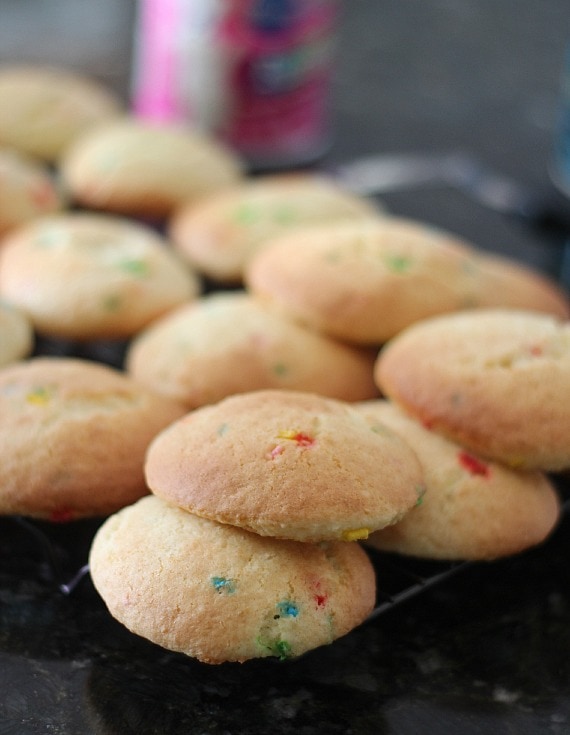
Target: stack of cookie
[(251, 439), (481, 397), (246, 547)]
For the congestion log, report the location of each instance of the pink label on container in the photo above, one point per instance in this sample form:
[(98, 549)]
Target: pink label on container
[(259, 77), (156, 65)]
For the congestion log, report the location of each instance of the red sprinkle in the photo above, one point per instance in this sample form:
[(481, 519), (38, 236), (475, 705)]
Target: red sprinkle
[(303, 439), (319, 596), (536, 350), (63, 515), (473, 465)]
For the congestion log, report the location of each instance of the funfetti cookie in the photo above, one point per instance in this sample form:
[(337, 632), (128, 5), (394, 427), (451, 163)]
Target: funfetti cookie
[(74, 434), (286, 464), (221, 233), (16, 334), (219, 593), (226, 343), (505, 283), (473, 508), (363, 282), (43, 109), (88, 276), (137, 168), (494, 381), (28, 190)]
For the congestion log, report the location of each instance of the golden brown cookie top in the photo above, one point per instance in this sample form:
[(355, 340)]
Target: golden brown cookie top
[(221, 233), (285, 464), (491, 380), (364, 281), (228, 342), (84, 276), (74, 435), (134, 167)]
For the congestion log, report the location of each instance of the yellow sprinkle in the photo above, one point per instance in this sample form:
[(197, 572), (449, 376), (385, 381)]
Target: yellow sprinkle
[(355, 534), (287, 434), (38, 397)]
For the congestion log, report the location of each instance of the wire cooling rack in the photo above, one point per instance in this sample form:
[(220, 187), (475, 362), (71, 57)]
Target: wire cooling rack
[(400, 578)]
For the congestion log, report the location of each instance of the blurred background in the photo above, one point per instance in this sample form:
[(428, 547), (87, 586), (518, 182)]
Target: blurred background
[(414, 75)]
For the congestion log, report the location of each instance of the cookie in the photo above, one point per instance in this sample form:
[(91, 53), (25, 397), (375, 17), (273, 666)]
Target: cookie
[(28, 190), (472, 509), (219, 593), (220, 234), (504, 283), (285, 464), (87, 276), (363, 282), (228, 342), (493, 380), (74, 434), (44, 109), (16, 335), (141, 169)]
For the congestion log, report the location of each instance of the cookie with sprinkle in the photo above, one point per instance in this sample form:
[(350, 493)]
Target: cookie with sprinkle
[(287, 464), (86, 276), (227, 343), (74, 435), (221, 233), (492, 380), (473, 508), (363, 282), (219, 593)]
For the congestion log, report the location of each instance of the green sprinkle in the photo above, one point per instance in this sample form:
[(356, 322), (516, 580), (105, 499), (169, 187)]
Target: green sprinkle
[(223, 584), (398, 263), (283, 650), (112, 303), (246, 214), (279, 648), (38, 396), (383, 430), (135, 267), (285, 215), (420, 492), (280, 369)]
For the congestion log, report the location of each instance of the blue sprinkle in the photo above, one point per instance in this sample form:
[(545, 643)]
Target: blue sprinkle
[(288, 609), (222, 584)]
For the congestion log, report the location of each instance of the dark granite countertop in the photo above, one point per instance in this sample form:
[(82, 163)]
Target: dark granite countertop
[(486, 651)]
